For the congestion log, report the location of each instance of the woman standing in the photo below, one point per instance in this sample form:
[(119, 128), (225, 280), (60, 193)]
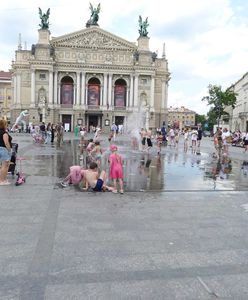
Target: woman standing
[(5, 152)]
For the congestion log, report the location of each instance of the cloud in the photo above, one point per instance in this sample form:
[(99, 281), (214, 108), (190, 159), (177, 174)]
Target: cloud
[(206, 41)]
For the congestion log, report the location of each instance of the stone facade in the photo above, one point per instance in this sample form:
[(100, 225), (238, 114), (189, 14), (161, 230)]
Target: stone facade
[(238, 119), (5, 95), (89, 77), (181, 117)]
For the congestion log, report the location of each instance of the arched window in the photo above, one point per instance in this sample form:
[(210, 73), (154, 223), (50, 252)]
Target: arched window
[(143, 99), (66, 95), (94, 92), (120, 93)]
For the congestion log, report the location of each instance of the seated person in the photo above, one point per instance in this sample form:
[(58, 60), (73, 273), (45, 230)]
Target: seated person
[(92, 179)]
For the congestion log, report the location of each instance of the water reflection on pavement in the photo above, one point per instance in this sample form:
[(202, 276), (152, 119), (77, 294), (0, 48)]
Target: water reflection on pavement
[(172, 170)]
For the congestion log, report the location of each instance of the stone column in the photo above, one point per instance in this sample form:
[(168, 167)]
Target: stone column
[(110, 90), (136, 83), (59, 91), (32, 104), (131, 92), (50, 93), (78, 88), (83, 100), (166, 96), (101, 95), (163, 95), (55, 96), (18, 89), (152, 92), (15, 90), (74, 93), (86, 94), (105, 89)]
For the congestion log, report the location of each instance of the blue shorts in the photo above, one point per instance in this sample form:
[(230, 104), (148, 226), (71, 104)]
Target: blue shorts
[(99, 184), (5, 155)]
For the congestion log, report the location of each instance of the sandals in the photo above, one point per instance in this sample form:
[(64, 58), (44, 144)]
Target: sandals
[(114, 191), (121, 192)]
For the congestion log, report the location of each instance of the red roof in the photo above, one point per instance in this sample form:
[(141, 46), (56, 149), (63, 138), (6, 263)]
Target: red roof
[(5, 75)]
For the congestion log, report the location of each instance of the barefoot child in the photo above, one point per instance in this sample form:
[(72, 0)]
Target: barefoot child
[(97, 153), (94, 180), (116, 169)]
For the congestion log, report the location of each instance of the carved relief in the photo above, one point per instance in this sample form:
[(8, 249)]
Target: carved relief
[(93, 40)]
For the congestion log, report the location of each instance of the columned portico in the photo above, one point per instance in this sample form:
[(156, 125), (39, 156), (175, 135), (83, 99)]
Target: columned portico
[(152, 92), (50, 94), (110, 90), (70, 68), (136, 82), (83, 100), (105, 90), (78, 89), (131, 104), (55, 93), (32, 104)]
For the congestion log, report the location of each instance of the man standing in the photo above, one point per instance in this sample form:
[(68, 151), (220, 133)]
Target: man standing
[(114, 129), (199, 135)]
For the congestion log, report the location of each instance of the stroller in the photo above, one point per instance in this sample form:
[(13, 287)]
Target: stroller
[(20, 175), (12, 165), (74, 177)]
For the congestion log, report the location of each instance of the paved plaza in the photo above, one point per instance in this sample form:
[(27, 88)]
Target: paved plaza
[(168, 237)]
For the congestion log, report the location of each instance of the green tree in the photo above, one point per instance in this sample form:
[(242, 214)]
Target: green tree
[(211, 117), (200, 119), (219, 100)]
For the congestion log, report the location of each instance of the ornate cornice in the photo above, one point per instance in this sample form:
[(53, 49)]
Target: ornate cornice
[(93, 38)]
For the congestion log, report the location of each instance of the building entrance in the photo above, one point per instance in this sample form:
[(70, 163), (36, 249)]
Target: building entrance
[(119, 120), (66, 120), (92, 120)]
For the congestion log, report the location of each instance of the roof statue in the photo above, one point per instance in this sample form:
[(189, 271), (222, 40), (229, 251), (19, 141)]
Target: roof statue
[(94, 17), (44, 19), (143, 26)]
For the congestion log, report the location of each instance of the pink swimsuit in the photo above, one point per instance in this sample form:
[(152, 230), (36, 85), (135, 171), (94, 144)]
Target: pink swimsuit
[(116, 170)]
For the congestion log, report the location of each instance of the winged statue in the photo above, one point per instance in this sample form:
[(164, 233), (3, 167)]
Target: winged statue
[(94, 17), (143, 26), (44, 19)]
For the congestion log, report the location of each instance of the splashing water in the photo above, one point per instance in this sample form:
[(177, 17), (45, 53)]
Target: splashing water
[(136, 120)]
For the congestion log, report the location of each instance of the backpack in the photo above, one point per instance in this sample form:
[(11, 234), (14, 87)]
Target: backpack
[(75, 174)]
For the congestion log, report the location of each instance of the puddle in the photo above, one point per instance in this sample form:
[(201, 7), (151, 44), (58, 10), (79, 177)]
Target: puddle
[(172, 171)]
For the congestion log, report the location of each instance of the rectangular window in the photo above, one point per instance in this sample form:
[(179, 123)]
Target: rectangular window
[(42, 76), (144, 81)]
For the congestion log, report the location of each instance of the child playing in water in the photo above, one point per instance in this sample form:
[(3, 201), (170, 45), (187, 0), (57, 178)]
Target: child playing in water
[(116, 169), (94, 180), (97, 153), (159, 141)]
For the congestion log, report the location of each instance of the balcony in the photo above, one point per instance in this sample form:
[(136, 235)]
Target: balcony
[(122, 108), (93, 107)]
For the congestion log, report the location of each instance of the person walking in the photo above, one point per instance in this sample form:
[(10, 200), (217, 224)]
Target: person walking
[(246, 142), (116, 169), (5, 152)]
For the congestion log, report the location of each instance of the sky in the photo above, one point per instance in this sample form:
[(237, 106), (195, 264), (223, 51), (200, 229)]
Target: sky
[(206, 41)]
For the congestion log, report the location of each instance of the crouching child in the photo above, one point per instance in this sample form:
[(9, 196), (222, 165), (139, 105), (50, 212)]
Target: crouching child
[(75, 176)]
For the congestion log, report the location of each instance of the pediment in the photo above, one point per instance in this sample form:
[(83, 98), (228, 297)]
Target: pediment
[(93, 37)]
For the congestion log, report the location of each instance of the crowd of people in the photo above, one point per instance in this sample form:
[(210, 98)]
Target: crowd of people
[(91, 151)]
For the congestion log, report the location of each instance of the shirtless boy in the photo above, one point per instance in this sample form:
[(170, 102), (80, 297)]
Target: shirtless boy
[(92, 179)]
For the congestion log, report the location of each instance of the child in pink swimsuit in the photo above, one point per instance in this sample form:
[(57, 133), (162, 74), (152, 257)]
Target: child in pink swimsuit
[(116, 169)]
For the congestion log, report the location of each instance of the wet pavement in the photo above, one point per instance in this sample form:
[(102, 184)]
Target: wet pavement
[(172, 170), (183, 238)]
